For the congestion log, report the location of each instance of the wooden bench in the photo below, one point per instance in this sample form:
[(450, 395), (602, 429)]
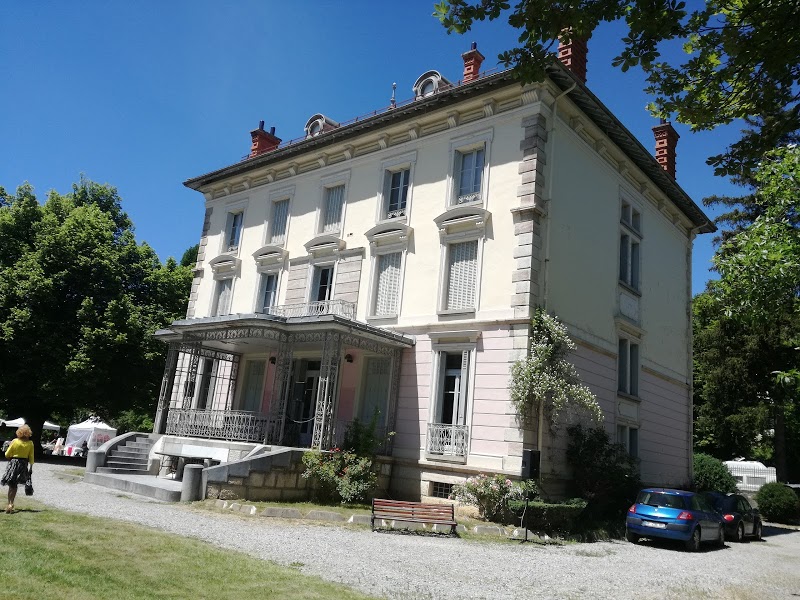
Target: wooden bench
[(415, 512)]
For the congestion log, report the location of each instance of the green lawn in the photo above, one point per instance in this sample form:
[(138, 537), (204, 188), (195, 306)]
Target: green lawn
[(47, 553)]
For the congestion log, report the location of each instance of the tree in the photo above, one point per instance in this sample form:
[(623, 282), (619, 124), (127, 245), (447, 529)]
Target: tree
[(79, 302), (742, 59), (747, 330), (189, 257), (545, 383)]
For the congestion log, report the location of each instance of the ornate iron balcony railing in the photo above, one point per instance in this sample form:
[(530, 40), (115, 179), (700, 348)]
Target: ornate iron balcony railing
[(340, 308), (446, 439), (233, 425)]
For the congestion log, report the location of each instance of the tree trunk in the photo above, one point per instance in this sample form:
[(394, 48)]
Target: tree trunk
[(780, 442)]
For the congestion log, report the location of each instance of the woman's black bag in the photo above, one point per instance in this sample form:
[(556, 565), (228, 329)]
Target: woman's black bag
[(29, 487)]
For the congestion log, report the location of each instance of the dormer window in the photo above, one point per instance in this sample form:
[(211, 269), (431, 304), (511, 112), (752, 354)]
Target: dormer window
[(318, 124), (429, 83)]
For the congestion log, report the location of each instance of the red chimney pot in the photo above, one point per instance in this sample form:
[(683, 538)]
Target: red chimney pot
[(263, 141), (472, 63), (666, 143), (573, 55)]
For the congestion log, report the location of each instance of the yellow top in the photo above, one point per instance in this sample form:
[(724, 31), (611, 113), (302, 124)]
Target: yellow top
[(21, 449)]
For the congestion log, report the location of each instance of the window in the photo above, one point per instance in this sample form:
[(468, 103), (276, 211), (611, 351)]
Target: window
[(322, 284), (223, 295), (396, 193), (280, 218), (234, 231), (441, 490), (461, 276), (629, 437), (628, 367), (387, 285), (269, 291), (469, 173), (451, 403), (332, 209), (629, 245)]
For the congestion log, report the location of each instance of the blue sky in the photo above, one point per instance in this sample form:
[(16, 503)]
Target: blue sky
[(144, 95)]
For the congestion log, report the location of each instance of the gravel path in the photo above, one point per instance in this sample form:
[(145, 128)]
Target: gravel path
[(407, 566)]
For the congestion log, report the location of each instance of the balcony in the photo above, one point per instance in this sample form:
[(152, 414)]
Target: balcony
[(231, 425), (338, 308), (447, 442)]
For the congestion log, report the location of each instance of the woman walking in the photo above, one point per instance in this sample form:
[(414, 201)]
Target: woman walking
[(20, 466)]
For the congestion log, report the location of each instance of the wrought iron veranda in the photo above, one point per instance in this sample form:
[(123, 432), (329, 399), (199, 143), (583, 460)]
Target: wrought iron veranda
[(339, 308), (233, 425), (447, 440)]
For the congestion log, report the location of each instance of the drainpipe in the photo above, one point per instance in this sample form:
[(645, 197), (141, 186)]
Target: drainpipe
[(690, 359), (549, 183)]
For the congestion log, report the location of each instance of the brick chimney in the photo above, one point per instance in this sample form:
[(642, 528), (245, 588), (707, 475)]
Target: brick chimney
[(472, 63), (572, 54), (263, 141), (666, 142)]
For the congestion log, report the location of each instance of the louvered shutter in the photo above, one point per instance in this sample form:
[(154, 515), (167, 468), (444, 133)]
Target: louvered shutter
[(224, 297), (462, 275), (388, 284), (333, 208), (280, 215)]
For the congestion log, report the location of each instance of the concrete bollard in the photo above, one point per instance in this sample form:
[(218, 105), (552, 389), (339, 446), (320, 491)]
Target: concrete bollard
[(191, 484)]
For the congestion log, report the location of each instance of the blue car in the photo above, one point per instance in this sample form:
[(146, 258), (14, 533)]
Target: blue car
[(674, 515)]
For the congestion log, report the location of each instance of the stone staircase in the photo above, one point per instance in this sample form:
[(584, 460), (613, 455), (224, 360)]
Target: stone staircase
[(130, 458)]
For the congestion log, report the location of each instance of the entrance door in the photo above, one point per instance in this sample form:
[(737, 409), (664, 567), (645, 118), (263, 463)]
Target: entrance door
[(304, 403), (253, 389)]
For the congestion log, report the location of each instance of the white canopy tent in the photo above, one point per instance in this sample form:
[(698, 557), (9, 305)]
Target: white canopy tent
[(92, 431), (20, 422)]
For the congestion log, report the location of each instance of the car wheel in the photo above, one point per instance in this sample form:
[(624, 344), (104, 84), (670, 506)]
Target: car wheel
[(693, 543), (757, 530), (631, 537), (740, 533), (721, 537)]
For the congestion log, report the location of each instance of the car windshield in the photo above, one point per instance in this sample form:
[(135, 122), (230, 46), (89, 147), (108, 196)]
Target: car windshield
[(661, 499)]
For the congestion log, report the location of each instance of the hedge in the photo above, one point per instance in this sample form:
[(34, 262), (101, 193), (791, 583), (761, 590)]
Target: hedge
[(550, 518)]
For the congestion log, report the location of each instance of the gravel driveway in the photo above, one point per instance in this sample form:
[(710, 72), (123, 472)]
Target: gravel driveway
[(406, 566)]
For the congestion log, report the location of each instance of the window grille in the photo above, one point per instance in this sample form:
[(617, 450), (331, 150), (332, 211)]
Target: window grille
[(280, 216), (388, 284), (441, 490), (462, 275), (332, 218)]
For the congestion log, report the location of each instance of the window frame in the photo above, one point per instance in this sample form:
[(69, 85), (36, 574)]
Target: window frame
[(629, 366), (312, 281), (447, 242), (388, 168), (458, 147), (630, 246), (218, 286), (374, 280), (628, 436), (264, 275), (285, 194)]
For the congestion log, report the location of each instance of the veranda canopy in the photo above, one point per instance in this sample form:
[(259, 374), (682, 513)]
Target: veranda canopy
[(93, 431), (20, 422)]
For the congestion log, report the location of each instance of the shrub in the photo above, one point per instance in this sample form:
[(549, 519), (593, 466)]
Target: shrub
[(604, 474), (777, 502), (551, 518), (492, 494), (342, 476), (711, 474)]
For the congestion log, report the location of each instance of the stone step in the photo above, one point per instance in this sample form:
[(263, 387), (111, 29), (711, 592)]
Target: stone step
[(152, 487), (129, 452), (117, 462), (143, 445), (142, 471)]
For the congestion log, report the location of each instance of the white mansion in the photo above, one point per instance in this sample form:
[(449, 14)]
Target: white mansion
[(388, 267)]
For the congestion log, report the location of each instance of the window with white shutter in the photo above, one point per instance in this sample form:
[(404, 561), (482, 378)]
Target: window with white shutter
[(388, 284), (462, 268), (280, 218), (332, 209), (223, 299)]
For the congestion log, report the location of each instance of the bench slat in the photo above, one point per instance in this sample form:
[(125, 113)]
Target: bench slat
[(418, 512)]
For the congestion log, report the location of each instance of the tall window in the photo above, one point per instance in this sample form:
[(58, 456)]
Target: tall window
[(469, 173), (224, 293), (280, 218), (461, 276), (323, 284), (269, 291), (234, 231), (396, 193), (387, 284), (628, 436), (629, 242), (332, 209), (451, 406), (628, 367)]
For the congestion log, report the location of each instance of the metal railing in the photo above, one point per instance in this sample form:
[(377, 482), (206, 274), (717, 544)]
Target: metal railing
[(447, 440), (233, 425), (340, 308), (750, 477)]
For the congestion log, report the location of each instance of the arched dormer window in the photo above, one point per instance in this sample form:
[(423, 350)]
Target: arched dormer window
[(429, 83), (319, 123)]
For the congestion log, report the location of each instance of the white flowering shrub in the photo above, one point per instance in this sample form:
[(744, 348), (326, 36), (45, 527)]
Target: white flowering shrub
[(491, 494), (545, 377)]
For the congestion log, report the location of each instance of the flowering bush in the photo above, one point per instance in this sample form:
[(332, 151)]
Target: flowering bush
[(343, 476), (491, 494)]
